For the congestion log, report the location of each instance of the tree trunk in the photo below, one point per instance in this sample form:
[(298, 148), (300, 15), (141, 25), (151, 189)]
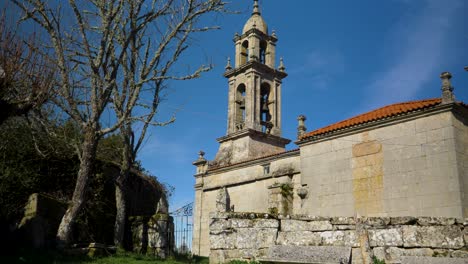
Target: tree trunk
[(121, 215), (88, 157), (121, 188)]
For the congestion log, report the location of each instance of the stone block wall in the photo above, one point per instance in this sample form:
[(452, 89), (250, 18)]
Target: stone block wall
[(415, 167), (152, 235), (248, 236)]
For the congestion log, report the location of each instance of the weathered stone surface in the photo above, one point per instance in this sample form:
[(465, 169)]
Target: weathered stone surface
[(339, 238), (309, 254), (255, 238), (300, 238), (217, 256), (219, 224), (222, 240), (356, 256), (427, 221), (343, 221), (219, 215), (241, 223), (439, 252), (266, 223), (385, 237), (430, 260), (459, 254), (304, 217), (296, 225), (402, 220), (394, 254), (462, 221), (433, 236), (345, 227), (377, 222)]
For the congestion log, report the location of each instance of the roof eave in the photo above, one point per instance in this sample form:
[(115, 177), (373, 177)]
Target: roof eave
[(376, 123)]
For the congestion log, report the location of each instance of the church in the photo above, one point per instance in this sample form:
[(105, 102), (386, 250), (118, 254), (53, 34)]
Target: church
[(405, 159)]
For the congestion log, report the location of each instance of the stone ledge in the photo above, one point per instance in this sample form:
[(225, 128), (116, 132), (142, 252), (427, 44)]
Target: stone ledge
[(307, 254), (431, 260)]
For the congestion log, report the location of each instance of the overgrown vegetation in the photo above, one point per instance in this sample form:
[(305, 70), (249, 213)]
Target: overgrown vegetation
[(243, 262), (375, 260), (40, 257)]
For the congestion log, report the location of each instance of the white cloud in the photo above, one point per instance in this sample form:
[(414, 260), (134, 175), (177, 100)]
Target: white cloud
[(417, 48)]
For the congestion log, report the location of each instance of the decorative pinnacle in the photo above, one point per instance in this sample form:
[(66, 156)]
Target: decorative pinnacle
[(256, 9), (281, 66), (447, 88), (201, 153), (273, 33), (200, 161), (228, 65), (301, 128)]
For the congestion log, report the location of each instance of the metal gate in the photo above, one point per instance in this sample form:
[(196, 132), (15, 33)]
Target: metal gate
[(183, 226)]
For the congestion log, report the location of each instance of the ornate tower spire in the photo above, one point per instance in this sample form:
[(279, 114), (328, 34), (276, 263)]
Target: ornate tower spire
[(256, 9), (254, 105)]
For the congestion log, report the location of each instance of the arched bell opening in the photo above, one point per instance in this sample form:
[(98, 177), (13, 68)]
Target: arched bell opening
[(263, 50), (244, 56), (240, 107), (265, 113)]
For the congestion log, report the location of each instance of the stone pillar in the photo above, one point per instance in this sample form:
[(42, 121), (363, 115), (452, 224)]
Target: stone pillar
[(238, 51), (202, 166), (271, 53)]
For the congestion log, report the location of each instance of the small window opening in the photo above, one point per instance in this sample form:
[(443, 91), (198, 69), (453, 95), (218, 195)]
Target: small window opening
[(263, 48), (266, 169), (244, 52)]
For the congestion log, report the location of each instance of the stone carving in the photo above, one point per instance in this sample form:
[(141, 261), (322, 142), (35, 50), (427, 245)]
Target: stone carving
[(302, 192)]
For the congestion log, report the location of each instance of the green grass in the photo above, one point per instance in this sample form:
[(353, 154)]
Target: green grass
[(41, 257)]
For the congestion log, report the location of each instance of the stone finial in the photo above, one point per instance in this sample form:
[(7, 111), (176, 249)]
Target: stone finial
[(201, 159), (447, 88), (256, 8), (301, 128), (228, 65), (201, 154), (200, 162), (273, 33), (281, 66)]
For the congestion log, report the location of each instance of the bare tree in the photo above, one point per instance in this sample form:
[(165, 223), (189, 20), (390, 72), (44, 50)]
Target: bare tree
[(107, 54), (25, 78), (153, 72)]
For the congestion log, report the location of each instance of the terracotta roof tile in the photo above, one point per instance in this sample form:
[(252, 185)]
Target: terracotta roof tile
[(384, 112)]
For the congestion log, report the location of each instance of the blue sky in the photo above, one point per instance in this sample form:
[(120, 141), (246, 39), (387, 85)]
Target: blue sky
[(343, 58)]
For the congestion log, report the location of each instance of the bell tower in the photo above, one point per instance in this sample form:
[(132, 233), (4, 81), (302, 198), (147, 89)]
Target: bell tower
[(254, 105)]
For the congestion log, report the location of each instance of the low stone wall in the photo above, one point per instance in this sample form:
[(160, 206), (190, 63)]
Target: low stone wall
[(152, 235), (249, 235)]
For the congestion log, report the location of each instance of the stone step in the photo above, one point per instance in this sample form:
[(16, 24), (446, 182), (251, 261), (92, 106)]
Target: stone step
[(307, 255)]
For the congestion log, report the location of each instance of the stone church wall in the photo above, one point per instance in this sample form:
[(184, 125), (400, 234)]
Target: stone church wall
[(413, 167), (461, 150), (249, 236), (249, 189)]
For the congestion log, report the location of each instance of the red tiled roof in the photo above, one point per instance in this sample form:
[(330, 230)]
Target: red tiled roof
[(384, 112)]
